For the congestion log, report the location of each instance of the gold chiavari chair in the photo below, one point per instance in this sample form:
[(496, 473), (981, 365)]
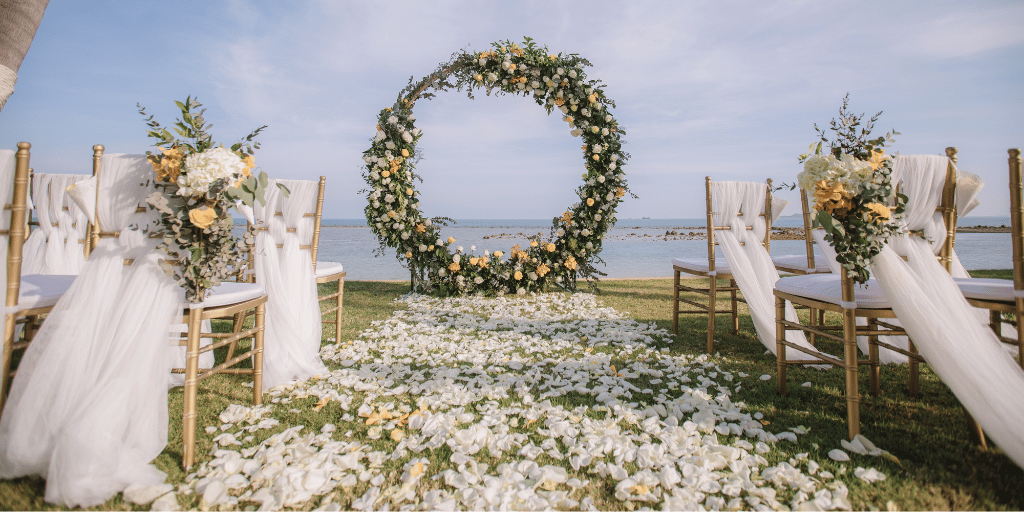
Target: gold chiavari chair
[(808, 263), (713, 271), (838, 294), (58, 221), (30, 296), (328, 271), (1001, 296), (225, 301)]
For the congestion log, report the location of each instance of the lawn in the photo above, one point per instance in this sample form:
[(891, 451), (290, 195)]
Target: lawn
[(467, 365)]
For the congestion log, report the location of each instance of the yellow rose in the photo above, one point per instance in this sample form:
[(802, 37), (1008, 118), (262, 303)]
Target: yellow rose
[(408, 191), (551, 247), (472, 261), (405, 153), (879, 211), (478, 77), (420, 228), (533, 243), (249, 162), (454, 267), (385, 174), (431, 248), (202, 216), (408, 255), (597, 157), (590, 200), (451, 239), (482, 262), (552, 56), (542, 270), (511, 67), (570, 263), (620, 192), (392, 214), (497, 254), (518, 275)]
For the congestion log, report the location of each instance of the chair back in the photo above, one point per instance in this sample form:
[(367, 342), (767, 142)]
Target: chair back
[(809, 241), (721, 210), (291, 219), (929, 182), (317, 217), (58, 244), (13, 194), (1017, 223)]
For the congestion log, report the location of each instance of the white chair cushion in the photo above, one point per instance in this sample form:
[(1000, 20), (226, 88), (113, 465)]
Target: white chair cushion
[(986, 288), (701, 265), (828, 288), (231, 293), (328, 268), (38, 290), (800, 261)]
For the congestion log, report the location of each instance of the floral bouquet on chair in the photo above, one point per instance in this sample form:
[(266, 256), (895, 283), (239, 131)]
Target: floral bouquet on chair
[(199, 183), (852, 187)]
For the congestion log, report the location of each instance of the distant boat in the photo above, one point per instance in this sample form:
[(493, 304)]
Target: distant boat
[(644, 218)]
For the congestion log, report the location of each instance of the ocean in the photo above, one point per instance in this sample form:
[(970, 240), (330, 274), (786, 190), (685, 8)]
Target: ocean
[(633, 248)]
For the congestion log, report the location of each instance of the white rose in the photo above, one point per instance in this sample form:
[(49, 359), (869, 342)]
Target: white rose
[(612, 166), (393, 120), (597, 217), (615, 158), (406, 136), (608, 118), (426, 222), (533, 276), (506, 64), (605, 132), (389, 145), (405, 236), (483, 62), (560, 71), (491, 77), (560, 232), (572, 73), (585, 232), (456, 258), (415, 132), (380, 136), (600, 179), (535, 84), (442, 272), (423, 248), (590, 245), (478, 280), (389, 198), (521, 291), (460, 250)]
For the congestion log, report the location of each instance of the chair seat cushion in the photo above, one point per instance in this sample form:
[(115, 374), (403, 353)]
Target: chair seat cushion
[(231, 293), (39, 290), (829, 288), (701, 265), (328, 268), (1000, 290), (799, 261)]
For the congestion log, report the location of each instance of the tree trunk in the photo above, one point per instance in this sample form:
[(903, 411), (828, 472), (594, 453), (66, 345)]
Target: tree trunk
[(19, 20)]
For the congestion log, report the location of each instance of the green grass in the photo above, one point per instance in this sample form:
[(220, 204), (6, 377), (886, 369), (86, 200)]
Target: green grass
[(941, 467)]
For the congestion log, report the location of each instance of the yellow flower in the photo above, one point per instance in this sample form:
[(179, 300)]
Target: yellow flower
[(395, 164), (832, 198), (408, 255), (405, 152), (168, 166), (202, 216), (592, 97), (518, 275), (566, 217), (497, 254), (590, 200), (542, 269), (552, 57), (570, 263), (559, 101), (511, 67), (472, 261), (392, 214), (454, 267), (385, 174), (481, 262), (249, 162), (451, 239), (420, 228), (408, 191), (877, 158), (551, 247), (597, 157), (478, 77), (416, 470), (431, 248), (533, 243), (620, 192), (879, 211)]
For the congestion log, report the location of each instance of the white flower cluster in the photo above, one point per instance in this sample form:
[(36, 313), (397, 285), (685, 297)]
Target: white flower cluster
[(478, 376), (203, 169), (849, 171)]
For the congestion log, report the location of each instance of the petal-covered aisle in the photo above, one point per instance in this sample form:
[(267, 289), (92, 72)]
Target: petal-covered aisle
[(546, 401)]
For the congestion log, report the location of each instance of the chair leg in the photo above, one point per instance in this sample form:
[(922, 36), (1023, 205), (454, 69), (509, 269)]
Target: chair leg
[(712, 305), (257, 358), (876, 387), (812, 316), (915, 370), (188, 423), (675, 305), (976, 431), (850, 359), (780, 348), (735, 307), (337, 314), (8, 355)]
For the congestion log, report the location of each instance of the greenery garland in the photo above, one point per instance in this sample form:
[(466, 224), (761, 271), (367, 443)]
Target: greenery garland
[(568, 253)]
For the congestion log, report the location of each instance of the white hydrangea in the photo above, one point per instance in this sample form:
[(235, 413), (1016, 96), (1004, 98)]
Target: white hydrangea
[(203, 169)]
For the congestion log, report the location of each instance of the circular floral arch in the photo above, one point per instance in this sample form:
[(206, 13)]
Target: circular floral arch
[(554, 81)]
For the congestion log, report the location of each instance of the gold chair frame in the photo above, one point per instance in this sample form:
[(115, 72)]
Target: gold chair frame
[(1016, 306), (193, 317), (876, 326), (16, 233), (711, 292), (809, 243), (339, 278)]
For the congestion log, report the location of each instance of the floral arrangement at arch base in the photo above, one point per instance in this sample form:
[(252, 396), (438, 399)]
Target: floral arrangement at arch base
[(855, 201), (199, 182), (553, 81)]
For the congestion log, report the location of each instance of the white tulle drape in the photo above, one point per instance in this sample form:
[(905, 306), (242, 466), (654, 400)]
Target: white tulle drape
[(88, 407), (964, 352), (293, 331), (8, 161), (751, 266), (56, 246)]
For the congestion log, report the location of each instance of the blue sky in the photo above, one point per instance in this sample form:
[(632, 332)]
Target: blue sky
[(726, 89)]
